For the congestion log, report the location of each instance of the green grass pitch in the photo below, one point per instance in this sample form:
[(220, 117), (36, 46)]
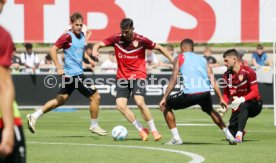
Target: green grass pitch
[(64, 137)]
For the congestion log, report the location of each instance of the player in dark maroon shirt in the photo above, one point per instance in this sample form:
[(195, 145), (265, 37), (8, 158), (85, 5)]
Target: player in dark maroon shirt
[(242, 91), (131, 74)]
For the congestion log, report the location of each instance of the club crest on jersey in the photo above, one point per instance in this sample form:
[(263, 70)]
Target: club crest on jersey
[(135, 43), (240, 77)]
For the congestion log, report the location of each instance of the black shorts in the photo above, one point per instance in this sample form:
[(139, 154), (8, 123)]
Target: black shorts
[(78, 82), (125, 87), (182, 101), (19, 151), (253, 107)]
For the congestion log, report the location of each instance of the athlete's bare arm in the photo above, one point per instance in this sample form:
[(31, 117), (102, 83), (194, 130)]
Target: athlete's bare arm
[(171, 85), (6, 100), (96, 48), (53, 51), (92, 63), (163, 51), (215, 86)]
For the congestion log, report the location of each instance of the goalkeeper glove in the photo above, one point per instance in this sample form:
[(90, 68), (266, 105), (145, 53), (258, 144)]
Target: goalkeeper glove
[(222, 111), (236, 102)]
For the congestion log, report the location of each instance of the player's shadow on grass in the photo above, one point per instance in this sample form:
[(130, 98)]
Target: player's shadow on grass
[(92, 137), (246, 140), (134, 139), (197, 143), (71, 136)]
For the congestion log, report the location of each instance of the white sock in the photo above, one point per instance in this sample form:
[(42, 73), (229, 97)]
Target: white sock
[(239, 133), (37, 113), (137, 125), (175, 133), (227, 133), (94, 123), (152, 125)]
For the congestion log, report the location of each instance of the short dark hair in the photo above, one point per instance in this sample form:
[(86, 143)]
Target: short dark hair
[(89, 46), (260, 46), (230, 52), (48, 57), (75, 16), (28, 45), (126, 23), (187, 42)]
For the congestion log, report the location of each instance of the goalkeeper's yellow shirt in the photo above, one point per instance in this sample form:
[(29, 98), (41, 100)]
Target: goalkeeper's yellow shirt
[(16, 115)]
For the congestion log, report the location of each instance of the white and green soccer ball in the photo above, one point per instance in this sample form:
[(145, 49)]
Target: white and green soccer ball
[(119, 133)]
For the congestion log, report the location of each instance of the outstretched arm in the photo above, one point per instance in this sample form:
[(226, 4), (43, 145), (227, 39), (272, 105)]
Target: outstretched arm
[(96, 48), (92, 63), (215, 86), (171, 85), (163, 51)]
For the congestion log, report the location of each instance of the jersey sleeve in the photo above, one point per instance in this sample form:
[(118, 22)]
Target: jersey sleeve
[(254, 93), (64, 41), (252, 79), (148, 44), (110, 41), (6, 49), (181, 59)]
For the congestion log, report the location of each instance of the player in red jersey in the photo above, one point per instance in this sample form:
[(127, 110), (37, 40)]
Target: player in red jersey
[(131, 74), (12, 146), (242, 91)]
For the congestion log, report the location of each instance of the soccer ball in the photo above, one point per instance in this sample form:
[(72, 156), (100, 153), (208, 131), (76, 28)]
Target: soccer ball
[(119, 133)]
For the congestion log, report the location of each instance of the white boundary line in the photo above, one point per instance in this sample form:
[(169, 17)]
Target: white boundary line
[(195, 157), (194, 124), (107, 106)]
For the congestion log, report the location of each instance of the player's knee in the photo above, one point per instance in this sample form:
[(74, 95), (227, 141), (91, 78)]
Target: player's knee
[(140, 104), (208, 111), (243, 106), (165, 112), (96, 97), (120, 107), (60, 100)]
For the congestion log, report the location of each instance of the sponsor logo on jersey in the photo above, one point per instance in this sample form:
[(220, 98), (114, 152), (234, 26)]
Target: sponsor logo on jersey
[(120, 55)]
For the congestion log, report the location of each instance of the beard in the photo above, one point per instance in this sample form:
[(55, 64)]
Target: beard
[(230, 69)]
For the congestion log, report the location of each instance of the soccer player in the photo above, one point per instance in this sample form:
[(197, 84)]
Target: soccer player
[(243, 93), (72, 44), (131, 73), (12, 146), (197, 80)]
